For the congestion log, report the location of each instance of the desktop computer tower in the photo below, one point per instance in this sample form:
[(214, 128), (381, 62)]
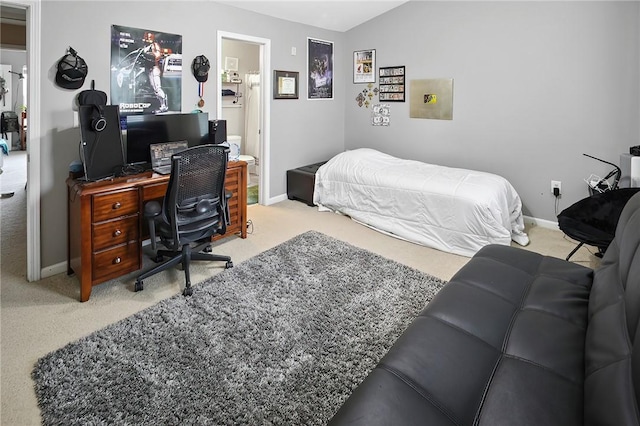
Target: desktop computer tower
[(217, 131)]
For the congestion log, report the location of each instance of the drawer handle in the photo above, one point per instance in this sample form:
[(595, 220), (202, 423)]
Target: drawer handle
[(117, 233), (117, 205), (117, 260)]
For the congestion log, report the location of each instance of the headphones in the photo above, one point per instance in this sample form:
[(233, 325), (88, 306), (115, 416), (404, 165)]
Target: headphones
[(98, 122)]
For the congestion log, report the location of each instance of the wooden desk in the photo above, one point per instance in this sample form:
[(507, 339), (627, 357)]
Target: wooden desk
[(105, 228)]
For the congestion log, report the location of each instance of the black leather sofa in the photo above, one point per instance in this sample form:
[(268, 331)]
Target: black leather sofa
[(516, 338)]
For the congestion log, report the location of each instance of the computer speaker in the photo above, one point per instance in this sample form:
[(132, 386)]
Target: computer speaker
[(217, 131)]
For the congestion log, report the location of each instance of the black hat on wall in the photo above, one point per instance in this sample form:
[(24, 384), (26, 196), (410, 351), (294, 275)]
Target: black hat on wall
[(200, 67), (72, 70)]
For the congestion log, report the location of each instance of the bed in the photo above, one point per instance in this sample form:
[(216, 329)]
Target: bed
[(449, 209)]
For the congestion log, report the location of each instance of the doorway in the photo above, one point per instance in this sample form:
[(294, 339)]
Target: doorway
[(252, 95), (29, 12)]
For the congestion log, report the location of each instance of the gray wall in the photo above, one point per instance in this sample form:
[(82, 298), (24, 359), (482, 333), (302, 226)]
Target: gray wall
[(302, 132), (536, 84)]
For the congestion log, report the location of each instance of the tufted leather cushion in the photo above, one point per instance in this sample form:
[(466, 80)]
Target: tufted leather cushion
[(509, 325), (518, 338)]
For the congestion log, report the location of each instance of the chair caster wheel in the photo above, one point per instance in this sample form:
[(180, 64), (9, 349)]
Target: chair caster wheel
[(138, 286), (228, 265), (188, 291), (208, 249), (158, 258)]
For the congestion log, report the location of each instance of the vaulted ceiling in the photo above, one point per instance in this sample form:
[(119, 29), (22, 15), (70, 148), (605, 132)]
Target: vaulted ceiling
[(333, 15)]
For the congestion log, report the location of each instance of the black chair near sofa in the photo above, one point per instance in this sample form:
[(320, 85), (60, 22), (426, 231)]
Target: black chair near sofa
[(193, 210), (593, 220)]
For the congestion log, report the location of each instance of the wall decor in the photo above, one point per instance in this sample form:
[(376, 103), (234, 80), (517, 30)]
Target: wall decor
[(392, 84), (381, 115), (365, 97), (364, 66), (285, 84), (431, 98), (319, 69), (159, 55)]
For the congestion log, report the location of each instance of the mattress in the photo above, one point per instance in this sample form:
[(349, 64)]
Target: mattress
[(449, 209)]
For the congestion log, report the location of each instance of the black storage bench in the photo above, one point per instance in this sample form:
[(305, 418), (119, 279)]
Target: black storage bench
[(300, 183)]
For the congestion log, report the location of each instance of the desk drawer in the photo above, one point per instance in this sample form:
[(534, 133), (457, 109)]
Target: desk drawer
[(114, 232), (116, 261), (152, 192), (115, 204)]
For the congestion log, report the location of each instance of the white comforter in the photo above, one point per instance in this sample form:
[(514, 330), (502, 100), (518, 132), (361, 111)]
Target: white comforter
[(453, 210)]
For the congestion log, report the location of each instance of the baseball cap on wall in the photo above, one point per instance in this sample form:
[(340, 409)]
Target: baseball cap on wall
[(72, 70), (200, 67)]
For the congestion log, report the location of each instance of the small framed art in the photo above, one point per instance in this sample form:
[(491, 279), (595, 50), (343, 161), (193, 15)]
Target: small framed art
[(364, 66), (392, 84), (285, 84)]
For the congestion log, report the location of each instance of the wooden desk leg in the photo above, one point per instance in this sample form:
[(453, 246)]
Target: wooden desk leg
[(85, 290)]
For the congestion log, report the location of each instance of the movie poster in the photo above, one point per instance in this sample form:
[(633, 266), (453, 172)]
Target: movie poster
[(146, 71), (319, 69)]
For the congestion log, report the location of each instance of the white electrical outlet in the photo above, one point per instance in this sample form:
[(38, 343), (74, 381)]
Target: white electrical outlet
[(556, 184)]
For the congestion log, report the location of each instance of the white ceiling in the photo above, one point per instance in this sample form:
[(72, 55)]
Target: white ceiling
[(333, 15)]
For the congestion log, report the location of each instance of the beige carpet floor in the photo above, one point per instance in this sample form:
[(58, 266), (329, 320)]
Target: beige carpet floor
[(39, 317)]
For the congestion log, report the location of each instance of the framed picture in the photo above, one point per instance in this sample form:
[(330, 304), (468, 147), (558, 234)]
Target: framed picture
[(432, 98), (127, 44), (230, 63), (285, 84), (392, 84), (319, 69), (364, 66)]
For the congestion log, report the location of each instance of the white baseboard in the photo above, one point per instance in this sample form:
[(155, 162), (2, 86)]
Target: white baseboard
[(49, 271), (276, 199), (543, 223), (61, 267)]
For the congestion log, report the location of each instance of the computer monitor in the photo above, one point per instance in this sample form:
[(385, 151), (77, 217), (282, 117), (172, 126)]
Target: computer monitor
[(144, 130), (101, 141)]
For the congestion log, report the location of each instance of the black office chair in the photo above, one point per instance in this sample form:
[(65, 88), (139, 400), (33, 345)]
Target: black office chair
[(193, 210), (593, 220)]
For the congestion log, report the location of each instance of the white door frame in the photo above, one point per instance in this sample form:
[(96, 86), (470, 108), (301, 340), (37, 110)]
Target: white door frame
[(265, 109), (33, 136)]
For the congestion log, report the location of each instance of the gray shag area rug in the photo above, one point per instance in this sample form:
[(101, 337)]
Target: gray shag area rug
[(280, 339)]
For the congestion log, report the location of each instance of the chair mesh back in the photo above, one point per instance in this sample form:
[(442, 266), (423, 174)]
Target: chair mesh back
[(202, 172), (197, 173)]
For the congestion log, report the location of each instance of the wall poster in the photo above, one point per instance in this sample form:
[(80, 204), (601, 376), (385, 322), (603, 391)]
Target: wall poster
[(319, 69), (432, 98), (146, 71), (364, 66), (392, 84)]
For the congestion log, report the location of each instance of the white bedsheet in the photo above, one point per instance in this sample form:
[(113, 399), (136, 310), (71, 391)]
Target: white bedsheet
[(453, 210)]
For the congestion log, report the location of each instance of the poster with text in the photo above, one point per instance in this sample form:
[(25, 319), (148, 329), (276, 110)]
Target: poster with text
[(319, 69), (146, 71)]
